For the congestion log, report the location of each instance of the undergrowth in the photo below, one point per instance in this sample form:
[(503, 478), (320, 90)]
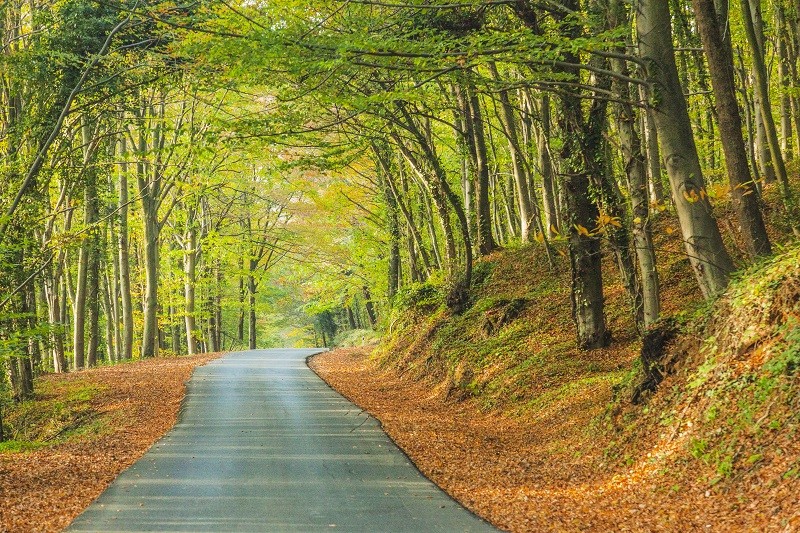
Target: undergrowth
[(59, 411), (731, 404), (727, 409)]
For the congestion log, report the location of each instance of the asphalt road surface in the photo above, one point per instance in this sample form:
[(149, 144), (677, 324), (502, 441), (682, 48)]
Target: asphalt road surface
[(263, 444)]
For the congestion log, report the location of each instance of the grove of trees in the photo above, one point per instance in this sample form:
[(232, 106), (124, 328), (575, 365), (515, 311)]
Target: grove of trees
[(176, 172)]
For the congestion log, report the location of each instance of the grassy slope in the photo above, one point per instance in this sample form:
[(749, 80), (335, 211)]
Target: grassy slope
[(721, 426)]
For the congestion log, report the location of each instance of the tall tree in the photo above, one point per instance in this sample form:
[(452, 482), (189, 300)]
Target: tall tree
[(715, 33), (711, 263)]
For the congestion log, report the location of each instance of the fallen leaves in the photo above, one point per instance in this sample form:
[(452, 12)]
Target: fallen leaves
[(547, 473), (44, 490)]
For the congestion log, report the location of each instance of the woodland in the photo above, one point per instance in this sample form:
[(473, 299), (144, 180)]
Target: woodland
[(186, 177)]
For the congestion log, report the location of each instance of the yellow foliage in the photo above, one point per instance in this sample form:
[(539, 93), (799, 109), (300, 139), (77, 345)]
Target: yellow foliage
[(607, 220), (691, 196)]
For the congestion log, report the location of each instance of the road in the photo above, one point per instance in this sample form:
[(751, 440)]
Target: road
[(263, 444)]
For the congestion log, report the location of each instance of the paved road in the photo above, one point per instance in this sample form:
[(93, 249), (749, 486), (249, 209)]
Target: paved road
[(263, 444)]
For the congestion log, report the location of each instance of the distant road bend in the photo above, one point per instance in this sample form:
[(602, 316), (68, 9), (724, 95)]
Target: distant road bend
[(263, 444)]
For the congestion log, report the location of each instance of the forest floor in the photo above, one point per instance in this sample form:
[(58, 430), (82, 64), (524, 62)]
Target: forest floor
[(542, 475), (498, 407), (84, 428)]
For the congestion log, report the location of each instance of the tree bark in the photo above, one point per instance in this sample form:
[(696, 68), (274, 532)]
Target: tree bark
[(370, 307), (251, 292), (189, 282), (549, 183), (636, 172), (755, 38), (486, 242), (716, 42), (783, 36), (710, 260), (521, 180), (584, 248), (126, 348)]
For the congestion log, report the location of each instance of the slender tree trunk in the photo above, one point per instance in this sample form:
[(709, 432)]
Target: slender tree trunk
[(52, 283), (486, 242), (370, 307), (650, 134), (751, 19), (126, 348), (251, 291), (636, 172), (710, 260), (394, 274), (783, 36), (218, 305), (151, 269), (439, 200), (112, 282), (549, 190), (716, 41), (189, 282), (82, 285), (175, 330), (93, 283), (242, 307), (398, 202), (521, 181), (106, 292)]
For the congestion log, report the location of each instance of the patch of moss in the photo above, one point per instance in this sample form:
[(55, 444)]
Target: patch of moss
[(20, 446), (57, 412)]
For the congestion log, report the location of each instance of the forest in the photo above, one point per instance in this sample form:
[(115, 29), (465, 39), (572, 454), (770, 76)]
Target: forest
[(187, 177)]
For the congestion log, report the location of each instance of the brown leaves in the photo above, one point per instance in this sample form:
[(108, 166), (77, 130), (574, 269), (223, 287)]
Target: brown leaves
[(46, 489), (549, 473)]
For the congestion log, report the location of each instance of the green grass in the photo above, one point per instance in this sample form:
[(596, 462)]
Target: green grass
[(61, 410), (20, 446)]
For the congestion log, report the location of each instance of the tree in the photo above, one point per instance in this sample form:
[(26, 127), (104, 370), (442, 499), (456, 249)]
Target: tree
[(710, 260), (717, 44)]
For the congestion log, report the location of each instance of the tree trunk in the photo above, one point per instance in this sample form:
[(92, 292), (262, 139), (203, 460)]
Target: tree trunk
[(710, 260), (439, 200), (549, 190), (751, 20), (251, 291), (86, 261), (486, 242), (716, 41), (609, 196), (393, 228), (114, 316), (653, 157), (391, 189), (93, 284), (126, 348), (189, 282), (218, 305), (521, 180), (783, 36), (370, 307), (242, 306), (584, 248), (636, 172), (151, 269)]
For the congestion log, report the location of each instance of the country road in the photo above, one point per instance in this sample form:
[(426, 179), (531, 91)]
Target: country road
[(263, 444)]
